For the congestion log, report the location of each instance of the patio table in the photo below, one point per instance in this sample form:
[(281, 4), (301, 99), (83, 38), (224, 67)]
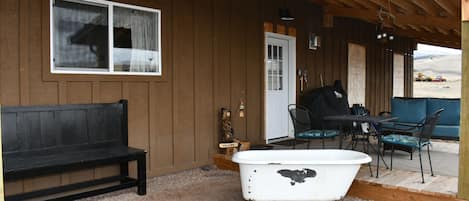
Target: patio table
[(372, 120)]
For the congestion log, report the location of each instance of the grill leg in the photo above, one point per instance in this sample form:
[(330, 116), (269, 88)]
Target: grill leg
[(421, 167), (323, 143), (309, 141), (142, 175)]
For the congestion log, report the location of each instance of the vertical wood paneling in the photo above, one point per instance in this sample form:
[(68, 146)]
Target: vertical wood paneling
[(203, 88), (221, 57), (238, 66), (254, 66), (24, 40), (138, 118), (9, 52), (40, 92), (110, 91), (183, 47), (162, 144), (79, 92)]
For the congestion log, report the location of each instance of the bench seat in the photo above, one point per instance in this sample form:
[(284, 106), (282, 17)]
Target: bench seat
[(18, 166)]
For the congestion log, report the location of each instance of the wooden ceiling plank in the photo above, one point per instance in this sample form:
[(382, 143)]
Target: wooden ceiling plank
[(334, 2), (400, 26), (442, 31), (427, 7), (414, 27), (435, 38), (350, 4), (381, 3), (428, 29), (444, 23), (404, 5), (447, 7), (366, 4)]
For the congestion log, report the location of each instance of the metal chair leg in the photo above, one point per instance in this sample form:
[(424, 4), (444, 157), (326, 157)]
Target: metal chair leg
[(411, 154), (294, 144), (421, 166), (309, 143), (430, 159), (366, 147), (392, 153), (323, 143)]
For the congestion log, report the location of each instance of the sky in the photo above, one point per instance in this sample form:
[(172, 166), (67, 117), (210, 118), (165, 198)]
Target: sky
[(430, 50)]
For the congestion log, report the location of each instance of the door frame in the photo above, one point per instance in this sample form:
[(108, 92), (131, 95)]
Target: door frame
[(291, 78)]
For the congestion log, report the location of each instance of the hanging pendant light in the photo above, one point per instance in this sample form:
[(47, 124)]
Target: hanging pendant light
[(285, 14)]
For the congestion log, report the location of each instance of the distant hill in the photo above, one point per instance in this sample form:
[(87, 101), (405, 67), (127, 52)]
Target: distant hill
[(448, 66)]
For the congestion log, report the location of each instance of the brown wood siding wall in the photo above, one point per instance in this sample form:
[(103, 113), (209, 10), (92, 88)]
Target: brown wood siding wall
[(212, 58)]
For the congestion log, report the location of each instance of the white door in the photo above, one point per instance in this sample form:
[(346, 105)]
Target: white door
[(278, 87)]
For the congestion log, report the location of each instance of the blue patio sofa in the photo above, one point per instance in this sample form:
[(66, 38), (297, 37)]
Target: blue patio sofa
[(413, 110)]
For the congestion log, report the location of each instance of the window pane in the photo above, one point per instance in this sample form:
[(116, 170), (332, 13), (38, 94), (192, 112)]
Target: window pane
[(275, 52), (80, 35), (135, 40)]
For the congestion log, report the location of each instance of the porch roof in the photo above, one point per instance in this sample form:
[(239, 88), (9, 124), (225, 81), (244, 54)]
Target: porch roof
[(435, 22)]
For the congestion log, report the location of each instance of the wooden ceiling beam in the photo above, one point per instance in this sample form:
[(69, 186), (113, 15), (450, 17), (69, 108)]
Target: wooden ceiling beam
[(444, 23), (447, 7), (334, 2), (381, 3), (366, 4), (404, 5), (441, 39), (414, 27), (428, 29), (427, 7), (400, 26), (442, 31), (350, 4)]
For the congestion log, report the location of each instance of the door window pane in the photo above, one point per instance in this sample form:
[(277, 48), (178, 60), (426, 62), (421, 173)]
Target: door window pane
[(80, 35)]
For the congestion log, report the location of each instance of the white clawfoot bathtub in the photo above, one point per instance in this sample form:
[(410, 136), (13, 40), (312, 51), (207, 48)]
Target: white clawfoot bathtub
[(298, 174)]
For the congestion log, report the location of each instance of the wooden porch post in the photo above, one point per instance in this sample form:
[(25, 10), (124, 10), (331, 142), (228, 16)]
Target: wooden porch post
[(463, 191), (2, 189)]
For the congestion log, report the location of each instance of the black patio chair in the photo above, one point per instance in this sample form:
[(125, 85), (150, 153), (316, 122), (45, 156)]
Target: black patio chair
[(301, 118), (418, 142)]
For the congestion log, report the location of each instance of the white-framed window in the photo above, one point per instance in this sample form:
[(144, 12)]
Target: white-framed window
[(104, 37)]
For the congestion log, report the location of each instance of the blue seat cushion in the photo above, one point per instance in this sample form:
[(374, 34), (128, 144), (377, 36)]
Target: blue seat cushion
[(446, 131), (405, 140), (409, 110), (451, 113), (316, 134)]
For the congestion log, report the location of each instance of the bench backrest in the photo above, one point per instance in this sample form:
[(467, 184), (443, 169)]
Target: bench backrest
[(63, 127)]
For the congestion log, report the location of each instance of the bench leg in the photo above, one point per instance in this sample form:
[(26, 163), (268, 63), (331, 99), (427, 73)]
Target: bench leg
[(142, 176), (124, 170)]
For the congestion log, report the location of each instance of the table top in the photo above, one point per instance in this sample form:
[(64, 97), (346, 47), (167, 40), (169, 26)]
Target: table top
[(359, 118)]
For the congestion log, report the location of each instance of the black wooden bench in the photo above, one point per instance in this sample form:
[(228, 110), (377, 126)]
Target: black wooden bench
[(41, 140)]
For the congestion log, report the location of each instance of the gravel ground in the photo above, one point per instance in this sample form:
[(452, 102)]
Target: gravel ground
[(202, 184)]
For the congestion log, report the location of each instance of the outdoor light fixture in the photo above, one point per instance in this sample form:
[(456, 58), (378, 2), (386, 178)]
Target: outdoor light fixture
[(314, 41), (385, 17), (285, 15), (384, 35)]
